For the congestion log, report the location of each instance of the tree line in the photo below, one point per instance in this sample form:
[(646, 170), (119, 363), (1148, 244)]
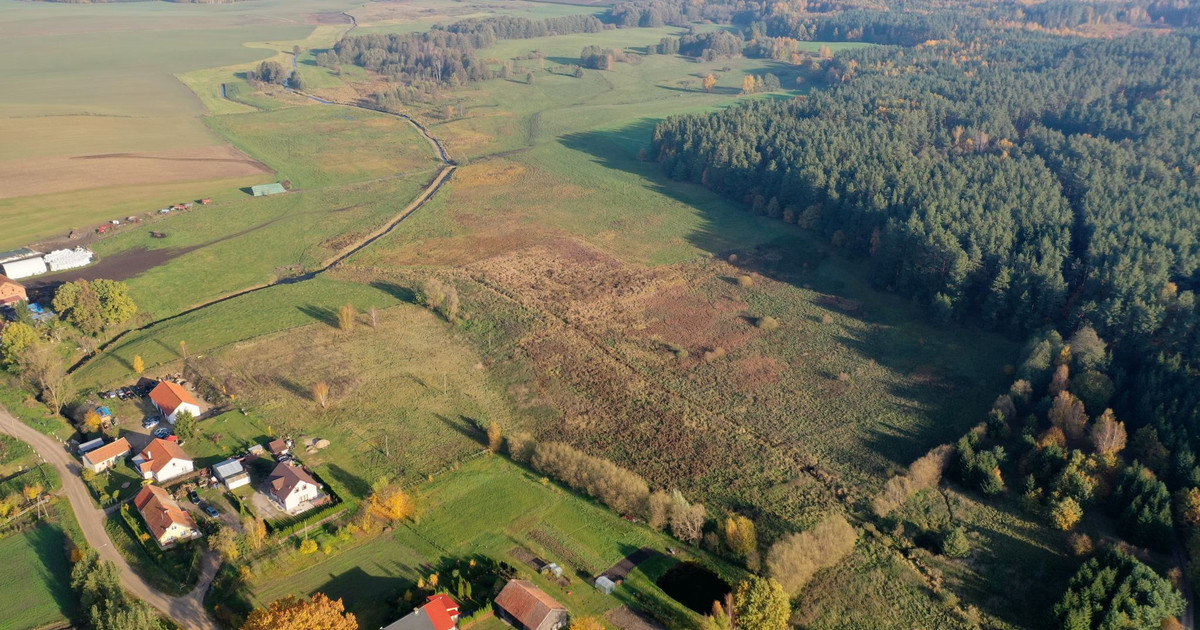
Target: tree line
[(448, 55)]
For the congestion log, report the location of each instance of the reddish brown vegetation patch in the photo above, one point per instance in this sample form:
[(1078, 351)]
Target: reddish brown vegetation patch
[(751, 373)]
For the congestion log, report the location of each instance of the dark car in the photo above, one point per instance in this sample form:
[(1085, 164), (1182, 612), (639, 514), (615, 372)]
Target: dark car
[(162, 433), (210, 510), (149, 421), (195, 498)]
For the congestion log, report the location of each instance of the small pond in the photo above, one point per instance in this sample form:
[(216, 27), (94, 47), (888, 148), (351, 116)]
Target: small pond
[(694, 586)]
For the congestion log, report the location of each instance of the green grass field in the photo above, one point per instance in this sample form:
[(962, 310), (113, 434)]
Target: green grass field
[(35, 590)]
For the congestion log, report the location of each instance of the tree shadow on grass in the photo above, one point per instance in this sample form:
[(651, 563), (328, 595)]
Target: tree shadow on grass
[(353, 484), (465, 426), (401, 293), (53, 568), (321, 314)]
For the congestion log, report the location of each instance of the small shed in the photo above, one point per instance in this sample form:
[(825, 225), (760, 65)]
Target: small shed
[(267, 189), (90, 445), (231, 473), (278, 447), (605, 585)]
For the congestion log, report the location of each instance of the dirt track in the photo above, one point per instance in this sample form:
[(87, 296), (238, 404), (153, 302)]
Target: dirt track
[(187, 611)]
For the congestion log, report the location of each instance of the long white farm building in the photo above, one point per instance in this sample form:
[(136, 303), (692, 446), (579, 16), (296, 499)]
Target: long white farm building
[(57, 260), (17, 269)]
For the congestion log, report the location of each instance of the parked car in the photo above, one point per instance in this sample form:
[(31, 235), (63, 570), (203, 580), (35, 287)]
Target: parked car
[(162, 433), (195, 498), (210, 510), (149, 421)]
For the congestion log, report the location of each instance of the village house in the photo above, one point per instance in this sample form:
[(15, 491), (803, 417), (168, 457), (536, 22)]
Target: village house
[(172, 399), (11, 291), (528, 607), (104, 457), (162, 461), (291, 486), (168, 523), (440, 612)]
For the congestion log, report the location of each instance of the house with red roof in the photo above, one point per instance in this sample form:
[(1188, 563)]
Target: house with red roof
[(168, 523), (101, 459), (527, 607), (172, 399), (11, 291), (440, 612), (162, 461)]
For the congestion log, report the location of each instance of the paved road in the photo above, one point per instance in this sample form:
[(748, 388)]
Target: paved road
[(188, 610)]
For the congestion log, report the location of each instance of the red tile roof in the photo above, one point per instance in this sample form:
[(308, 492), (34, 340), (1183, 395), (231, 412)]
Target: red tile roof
[(113, 449), (160, 511), (442, 611), (168, 396), (159, 453), (527, 603)]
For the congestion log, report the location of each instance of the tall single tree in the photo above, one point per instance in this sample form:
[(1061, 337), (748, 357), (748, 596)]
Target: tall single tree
[(347, 315), (320, 394)]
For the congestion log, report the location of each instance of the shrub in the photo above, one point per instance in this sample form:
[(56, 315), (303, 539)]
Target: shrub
[(767, 323), (955, 543), (795, 558)]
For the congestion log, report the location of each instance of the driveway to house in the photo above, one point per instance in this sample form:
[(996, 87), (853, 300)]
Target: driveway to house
[(187, 610)]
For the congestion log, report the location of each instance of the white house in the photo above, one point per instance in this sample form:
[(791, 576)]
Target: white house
[(231, 473), (171, 399), (105, 457), (167, 522), (291, 486), (163, 460)]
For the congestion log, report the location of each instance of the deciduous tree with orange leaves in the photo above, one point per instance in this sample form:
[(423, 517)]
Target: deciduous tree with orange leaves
[(293, 613)]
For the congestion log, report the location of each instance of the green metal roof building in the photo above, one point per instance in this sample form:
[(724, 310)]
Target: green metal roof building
[(267, 189)]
